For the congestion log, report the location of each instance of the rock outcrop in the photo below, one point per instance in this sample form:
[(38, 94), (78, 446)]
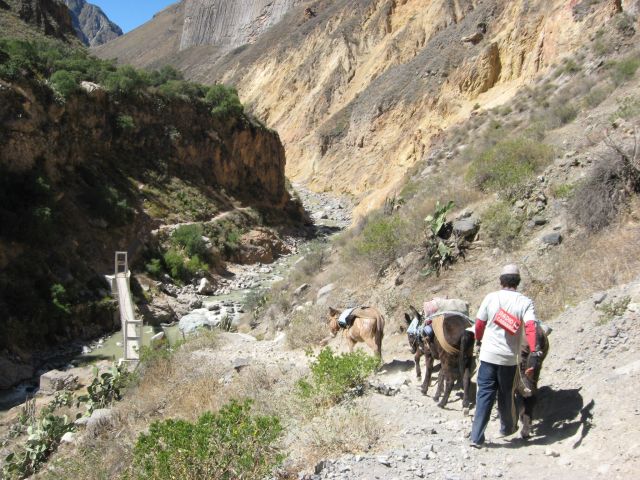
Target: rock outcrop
[(46, 17), (91, 24)]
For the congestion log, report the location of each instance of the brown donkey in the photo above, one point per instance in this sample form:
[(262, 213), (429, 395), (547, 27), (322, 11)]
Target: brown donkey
[(367, 326)]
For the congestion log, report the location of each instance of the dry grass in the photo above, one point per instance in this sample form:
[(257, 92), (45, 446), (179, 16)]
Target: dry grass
[(308, 327), (594, 263), (339, 430)]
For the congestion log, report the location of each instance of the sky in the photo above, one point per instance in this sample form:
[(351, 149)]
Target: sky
[(129, 14)]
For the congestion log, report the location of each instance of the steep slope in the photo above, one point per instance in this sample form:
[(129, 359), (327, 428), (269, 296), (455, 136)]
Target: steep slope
[(358, 90), (91, 24), (32, 18)]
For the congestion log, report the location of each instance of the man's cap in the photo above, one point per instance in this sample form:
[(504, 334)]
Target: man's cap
[(510, 269)]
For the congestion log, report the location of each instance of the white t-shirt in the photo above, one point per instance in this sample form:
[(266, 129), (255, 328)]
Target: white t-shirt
[(498, 346)]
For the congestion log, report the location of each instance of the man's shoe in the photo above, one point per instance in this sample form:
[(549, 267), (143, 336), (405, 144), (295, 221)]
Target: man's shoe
[(473, 444)]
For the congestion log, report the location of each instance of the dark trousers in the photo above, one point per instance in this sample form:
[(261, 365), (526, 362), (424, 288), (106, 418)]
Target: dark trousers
[(494, 380)]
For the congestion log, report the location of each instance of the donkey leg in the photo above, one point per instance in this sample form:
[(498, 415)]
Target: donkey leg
[(447, 391), (427, 374), (466, 384), (416, 359), (439, 384), (351, 343)]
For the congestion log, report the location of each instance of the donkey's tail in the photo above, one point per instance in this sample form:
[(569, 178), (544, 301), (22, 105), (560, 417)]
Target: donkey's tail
[(462, 359), (379, 333)]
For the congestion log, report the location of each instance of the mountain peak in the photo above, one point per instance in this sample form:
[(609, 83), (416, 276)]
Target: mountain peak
[(91, 24)]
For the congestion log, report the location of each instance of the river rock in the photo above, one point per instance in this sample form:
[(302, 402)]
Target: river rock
[(205, 287), (55, 380), (324, 292)]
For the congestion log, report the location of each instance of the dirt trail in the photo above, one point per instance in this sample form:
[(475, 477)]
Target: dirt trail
[(587, 416)]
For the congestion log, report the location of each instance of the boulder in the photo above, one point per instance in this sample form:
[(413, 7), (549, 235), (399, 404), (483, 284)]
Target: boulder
[(90, 87), (301, 289), (192, 321), (69, 437), (205, 287), (466, 228), (157, 340), (100, 420), (554, 238), (324, 292), (191, 300), (55, 380), (13, 372), (160, 310)]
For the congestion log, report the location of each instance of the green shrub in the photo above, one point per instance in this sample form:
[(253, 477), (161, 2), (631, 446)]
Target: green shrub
[(195, 265), (336, 377), (230, 444), (565, 112), (125, 122), (64, 83), (60, 298), (623, 70), (164, 75), (182, 89), (502, 226), (508, 165), (154, 267), (224, 101), (381, 240), (174, 260), (126, 80), (190, 238)]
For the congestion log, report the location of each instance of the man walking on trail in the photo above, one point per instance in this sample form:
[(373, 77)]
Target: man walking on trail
[(502, 319)]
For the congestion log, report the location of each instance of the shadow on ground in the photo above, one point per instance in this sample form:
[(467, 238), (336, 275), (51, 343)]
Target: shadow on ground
[(559, 415)]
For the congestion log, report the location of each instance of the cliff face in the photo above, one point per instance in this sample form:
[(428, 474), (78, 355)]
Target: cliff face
[(79, 179), (91, 24), (229, 23), (359, 89)]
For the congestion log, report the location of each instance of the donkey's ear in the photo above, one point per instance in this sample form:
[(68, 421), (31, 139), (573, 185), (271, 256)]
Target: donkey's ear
[(413, 310), (333, 311), (407, 318)]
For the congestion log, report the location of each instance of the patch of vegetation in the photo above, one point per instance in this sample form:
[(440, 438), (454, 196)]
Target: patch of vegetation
[(190, 238), (508, 165), (224, 101), (381, 240), (337, 377), (623, 70), (125, 123), (563, 190), (44, 438), (105, 388), (614, 308), (182, 268), (613, 182), (502, 226), (64, 83), (628, 107), (66, 66), (60, 298), (441, 247), (226, 445)]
